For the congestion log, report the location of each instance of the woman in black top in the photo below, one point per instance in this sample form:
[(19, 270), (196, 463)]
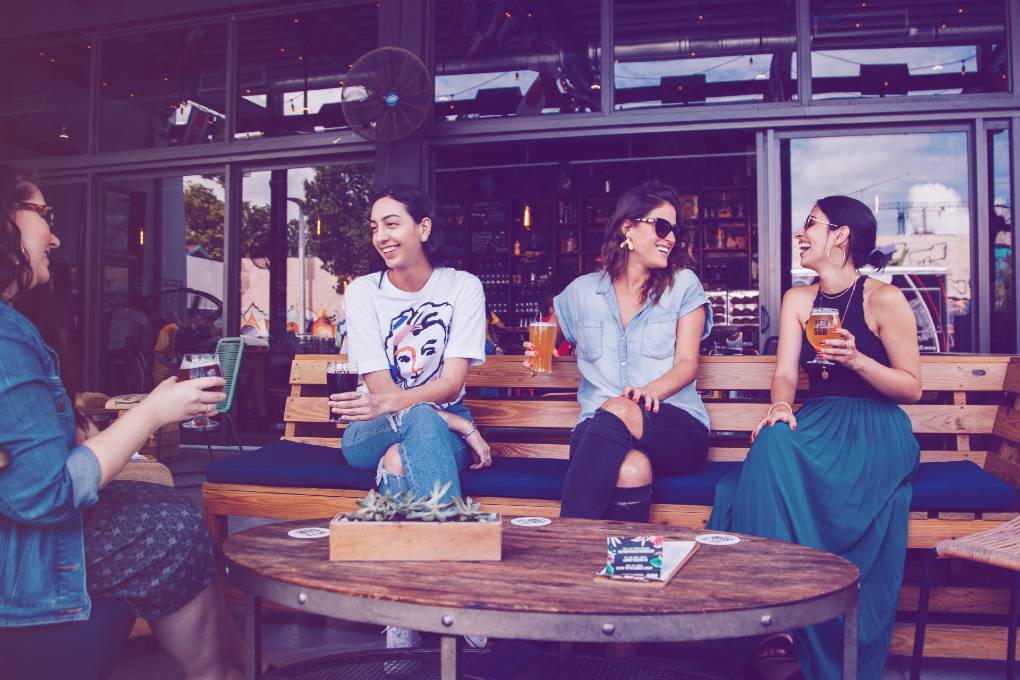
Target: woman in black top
[(836, 475)]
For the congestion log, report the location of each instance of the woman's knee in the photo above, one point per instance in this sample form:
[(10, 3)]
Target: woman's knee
[(391, 461), (636, 470), (628, 412)]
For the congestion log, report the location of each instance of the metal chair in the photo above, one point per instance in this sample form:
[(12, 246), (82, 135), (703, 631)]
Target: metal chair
[(998, 547), (229, 352)]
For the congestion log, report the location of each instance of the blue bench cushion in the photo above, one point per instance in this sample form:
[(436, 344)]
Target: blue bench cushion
[(957, 486)]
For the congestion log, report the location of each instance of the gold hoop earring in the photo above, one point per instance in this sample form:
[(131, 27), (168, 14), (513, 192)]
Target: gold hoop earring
[(627, 243), (846, 256)]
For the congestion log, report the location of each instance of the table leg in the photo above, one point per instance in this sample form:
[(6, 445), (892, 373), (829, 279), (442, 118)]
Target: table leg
[(252, 637), (850, 642), (449, 657)]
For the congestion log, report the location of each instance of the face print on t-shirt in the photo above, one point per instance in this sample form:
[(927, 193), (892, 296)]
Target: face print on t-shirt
[(416, 343)]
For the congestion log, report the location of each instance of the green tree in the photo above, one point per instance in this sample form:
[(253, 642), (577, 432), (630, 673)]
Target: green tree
[(203, 223), (338, 198)]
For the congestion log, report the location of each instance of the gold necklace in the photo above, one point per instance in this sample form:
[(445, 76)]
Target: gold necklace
[(842, 317)]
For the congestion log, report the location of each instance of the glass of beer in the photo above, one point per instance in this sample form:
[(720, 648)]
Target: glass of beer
[(199, 366), (341, 376), (821, 326), (542, 335)]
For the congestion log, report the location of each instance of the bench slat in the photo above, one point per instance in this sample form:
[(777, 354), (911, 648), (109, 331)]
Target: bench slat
[(735, 417), (1007, 424)]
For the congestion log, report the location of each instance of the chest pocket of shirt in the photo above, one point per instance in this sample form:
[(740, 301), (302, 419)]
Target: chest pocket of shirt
[(589, 340), (658, 339)]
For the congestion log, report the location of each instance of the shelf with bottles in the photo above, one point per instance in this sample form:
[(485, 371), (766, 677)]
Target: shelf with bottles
[(718, 238), (567, 212), (724, 205)]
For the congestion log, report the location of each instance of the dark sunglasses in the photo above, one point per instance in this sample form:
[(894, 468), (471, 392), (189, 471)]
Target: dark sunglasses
[(44, 211), (663, 227), (811, 219)]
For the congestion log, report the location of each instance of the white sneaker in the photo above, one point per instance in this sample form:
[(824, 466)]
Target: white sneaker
[(401, 638)]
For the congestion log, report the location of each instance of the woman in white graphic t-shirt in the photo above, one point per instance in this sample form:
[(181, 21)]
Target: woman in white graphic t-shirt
[(414, 329)]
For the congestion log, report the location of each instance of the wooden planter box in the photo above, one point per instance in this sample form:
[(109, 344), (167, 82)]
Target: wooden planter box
[(416, 541)]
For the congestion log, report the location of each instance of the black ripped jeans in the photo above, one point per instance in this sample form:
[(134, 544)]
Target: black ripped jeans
[(674, 441)]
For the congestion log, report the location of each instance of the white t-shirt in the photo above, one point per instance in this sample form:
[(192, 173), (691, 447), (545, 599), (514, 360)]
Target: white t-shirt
[(411, 334)]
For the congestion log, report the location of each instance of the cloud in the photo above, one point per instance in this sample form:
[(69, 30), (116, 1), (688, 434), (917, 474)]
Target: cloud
[(935, 214)]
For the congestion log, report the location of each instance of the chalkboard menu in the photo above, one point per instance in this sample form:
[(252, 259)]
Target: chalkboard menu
[(452, 222), (488, 225)]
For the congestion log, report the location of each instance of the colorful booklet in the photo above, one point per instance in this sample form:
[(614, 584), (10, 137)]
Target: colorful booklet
[(646, 560)]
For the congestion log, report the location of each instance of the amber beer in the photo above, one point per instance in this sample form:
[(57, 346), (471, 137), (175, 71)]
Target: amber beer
[(199, 366), (542, 335), (821, 326), (341, 376)]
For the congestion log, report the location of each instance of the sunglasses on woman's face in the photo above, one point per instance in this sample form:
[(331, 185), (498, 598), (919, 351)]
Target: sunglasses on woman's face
[(44, 211), (663, 227), (811, 219)]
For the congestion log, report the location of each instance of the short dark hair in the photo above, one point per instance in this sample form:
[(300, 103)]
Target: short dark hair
[(418, 206), (16, 186), (849, 212)]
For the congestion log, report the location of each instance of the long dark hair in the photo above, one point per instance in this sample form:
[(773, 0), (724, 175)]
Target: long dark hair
[(849, 212), (16, 186), (418, 206), (635, 203)]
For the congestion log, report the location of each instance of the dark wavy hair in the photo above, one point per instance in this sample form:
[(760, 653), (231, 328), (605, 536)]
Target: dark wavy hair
[(849, 212), (418, 206), (638, 202), (16, 186)]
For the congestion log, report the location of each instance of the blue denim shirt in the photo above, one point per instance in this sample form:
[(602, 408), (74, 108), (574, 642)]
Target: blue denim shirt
[(44, 489), (609, 357)]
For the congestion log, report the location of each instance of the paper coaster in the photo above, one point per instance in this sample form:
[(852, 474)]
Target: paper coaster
[(531, 521), (309, 532), (717, 539)]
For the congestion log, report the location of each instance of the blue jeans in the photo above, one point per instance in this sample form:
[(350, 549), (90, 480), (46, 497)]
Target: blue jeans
[(429, 451)]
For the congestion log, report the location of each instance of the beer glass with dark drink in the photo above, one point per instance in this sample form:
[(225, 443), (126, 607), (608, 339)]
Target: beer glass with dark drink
[(341, 376), (199, 366)]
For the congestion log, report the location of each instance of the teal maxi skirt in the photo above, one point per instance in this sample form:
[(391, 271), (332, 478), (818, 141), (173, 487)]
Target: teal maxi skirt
[(839, 483)]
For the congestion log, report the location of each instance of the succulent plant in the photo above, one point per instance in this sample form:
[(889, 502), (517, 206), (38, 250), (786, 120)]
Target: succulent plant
[(405, 506)]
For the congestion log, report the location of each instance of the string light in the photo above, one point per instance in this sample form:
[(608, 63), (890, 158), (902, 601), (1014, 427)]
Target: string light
[(141, 237), (318, 226), (508, 14), (750, 61), (64, 133), (963, 67), (959, 10)]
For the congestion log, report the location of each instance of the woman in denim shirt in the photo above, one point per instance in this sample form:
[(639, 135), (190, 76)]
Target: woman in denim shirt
[(637, 325), (69, 533)]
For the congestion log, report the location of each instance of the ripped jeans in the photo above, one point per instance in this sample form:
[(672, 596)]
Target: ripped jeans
[(429, 451)]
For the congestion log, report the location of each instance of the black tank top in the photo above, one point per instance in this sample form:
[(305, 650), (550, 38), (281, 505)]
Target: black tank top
[(843, 382)]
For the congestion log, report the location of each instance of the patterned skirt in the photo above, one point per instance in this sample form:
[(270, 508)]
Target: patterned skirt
[(839, 483), (146, 544)]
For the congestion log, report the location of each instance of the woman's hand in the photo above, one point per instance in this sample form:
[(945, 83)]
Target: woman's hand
[(479, 449), (636, 394), (174, 401), (351, 406), (780, 413), (842, 351)]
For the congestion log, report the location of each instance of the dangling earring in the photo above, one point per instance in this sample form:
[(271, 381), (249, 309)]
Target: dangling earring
[(627, 243), (24, 253), (828, 256)]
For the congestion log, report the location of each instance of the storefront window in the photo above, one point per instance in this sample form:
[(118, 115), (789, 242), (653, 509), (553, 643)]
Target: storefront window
[(162, 277), (1002, 242), (693, 53), (496, 59), (164, 88), (917, 185), (44, 109), (304, 236), (864, 48), (292, 68)]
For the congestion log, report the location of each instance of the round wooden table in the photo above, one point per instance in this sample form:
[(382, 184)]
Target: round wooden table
[(544, 589)]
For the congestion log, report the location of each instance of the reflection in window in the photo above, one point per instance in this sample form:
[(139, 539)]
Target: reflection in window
[(1003, 324), (45, 101), (162, 277), (292, 68), (917, 186), (496, 59), (915, 47), (163, 89), (704, 52), (304, 235)]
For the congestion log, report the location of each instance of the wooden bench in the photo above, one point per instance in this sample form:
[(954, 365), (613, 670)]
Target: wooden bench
[(970, 412)]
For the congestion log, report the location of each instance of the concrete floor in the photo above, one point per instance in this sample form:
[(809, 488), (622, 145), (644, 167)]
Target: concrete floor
[(291, 637)]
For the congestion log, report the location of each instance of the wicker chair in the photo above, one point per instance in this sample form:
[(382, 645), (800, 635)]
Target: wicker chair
[(998, 547)]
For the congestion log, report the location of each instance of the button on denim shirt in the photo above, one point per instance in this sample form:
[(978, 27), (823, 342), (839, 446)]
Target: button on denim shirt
[(609, 357), (44, 489)]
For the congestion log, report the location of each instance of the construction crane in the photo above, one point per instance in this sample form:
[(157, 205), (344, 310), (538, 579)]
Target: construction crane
[(904, 207)]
